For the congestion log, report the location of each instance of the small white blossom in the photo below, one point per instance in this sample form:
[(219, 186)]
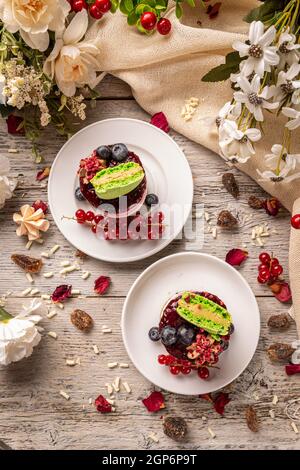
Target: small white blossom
[(285, 83), (294, 116), (288, 50), (229, 111), (236, 145), (260, 54), (254, 99), (282, 164)]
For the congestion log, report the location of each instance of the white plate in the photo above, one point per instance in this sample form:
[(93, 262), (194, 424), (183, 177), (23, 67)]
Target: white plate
[(168, 175), (163, 279)]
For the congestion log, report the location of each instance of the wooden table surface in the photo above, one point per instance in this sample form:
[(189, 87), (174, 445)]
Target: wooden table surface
[(33, 415)]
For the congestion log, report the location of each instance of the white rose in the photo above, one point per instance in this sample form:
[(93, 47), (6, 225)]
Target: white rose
[(33, 19), (74, 63), (6, 186)]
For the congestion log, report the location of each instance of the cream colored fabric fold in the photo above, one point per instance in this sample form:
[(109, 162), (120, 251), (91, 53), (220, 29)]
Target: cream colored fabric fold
[(164, 71)]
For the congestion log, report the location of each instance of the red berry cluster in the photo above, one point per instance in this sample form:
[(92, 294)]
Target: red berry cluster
[(96, 10), (150, 227), (149, 20), (183, 366), (89, 166), (295, 221), (269, 270)]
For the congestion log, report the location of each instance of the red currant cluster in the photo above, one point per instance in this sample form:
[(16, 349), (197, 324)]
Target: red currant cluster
[(96, 10), (295, 221), (128, 228), (183, 366), (149, 21), (269, 270)]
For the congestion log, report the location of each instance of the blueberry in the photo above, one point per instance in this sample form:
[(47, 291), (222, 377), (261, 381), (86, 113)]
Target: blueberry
[(151, 200), (224, 344), (231, 329), (104, 152), (79, 195), (186, 335), (168, 335), (119, 152), (154, 333)]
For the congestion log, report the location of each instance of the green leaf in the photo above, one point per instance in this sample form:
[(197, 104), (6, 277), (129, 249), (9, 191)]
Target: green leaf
[(178, 10), (5, 111), (114, 5), (123, 7), (132, 18), (140, 27), (140, 9), (129, 5), (191, 3), (222, 72), (266, 11)]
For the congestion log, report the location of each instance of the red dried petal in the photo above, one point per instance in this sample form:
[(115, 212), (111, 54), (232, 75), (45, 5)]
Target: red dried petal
[(284, 295), (213, 10), (102, 405), (159, 120), (61, 293), (154, 402), (42, 174), (38, 204), (292, 369), (220, 402), (102, 284), (207, 397), (235, 257), (14, 125), (272, 206)]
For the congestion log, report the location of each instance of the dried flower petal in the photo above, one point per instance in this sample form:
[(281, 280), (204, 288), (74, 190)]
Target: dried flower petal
[(61, 293), (213, 10), (102, 284), (15, 125), (255, 203), (42, 174), (279, 322), (226, 220), (236, 256), (230, 184), (175, 427), (29, 264), (292, 369), (39, 204), (284, 295), (154, 402), (159, 120), (102, 405), (220, 402), (272, 206), (278, 352), (251, 418)]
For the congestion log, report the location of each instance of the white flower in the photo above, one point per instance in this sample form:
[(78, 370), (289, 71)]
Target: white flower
[(294, 116), (254, 99), (236, 145), (2, 86), (229, 111), (6, 186), (18, 335), (74, 63), (287, 50), (260, 55), (283, 162), (33, 19), (285, 84)]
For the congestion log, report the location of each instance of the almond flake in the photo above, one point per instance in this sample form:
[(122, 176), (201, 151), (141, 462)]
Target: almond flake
[(212, 434), (294, 427), (51, 314), (112, 365), (64, 394), (49, 274), (85, 275), (64, 264), (70, 362), (44, 254), (29, 278), (275, 400), (54, 249), (123, 365), (96, 349), (126, 387), (28, 245), (52, 334), (153, 437), (26, 291)]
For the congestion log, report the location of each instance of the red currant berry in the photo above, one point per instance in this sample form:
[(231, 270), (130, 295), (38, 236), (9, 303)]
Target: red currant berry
[(265, 258), (98, 218), (169, 360), (274, 261), (295, 221), (186, 370), (89, 216), (264, 274), (276, 270), (80, 215), (148, 20), (164, 26), (95, 12), (261, 280), (162, 359), (262, 267), (174, 370), (103, 5), (203, 373), (78, 5), (94, 228)]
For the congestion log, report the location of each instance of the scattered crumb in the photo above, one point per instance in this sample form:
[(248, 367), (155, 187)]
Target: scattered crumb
[(85, 275), (28, 245), (112, 365), (44, 254), (153, 437), (60, 305), (29, 278), (48, 275), (294, 427), (52, 334), (64, 394), (26, 291), (34, 291), (70, 362), (275, 400), (45, 297), (96, 349), (124, 365), (272, 413), (54, 249), (51, 314), (211, 432), (126, 387), (64, 264), (204, 418)]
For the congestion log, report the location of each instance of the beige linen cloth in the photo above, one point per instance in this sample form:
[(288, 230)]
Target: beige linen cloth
[(164, 71)]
